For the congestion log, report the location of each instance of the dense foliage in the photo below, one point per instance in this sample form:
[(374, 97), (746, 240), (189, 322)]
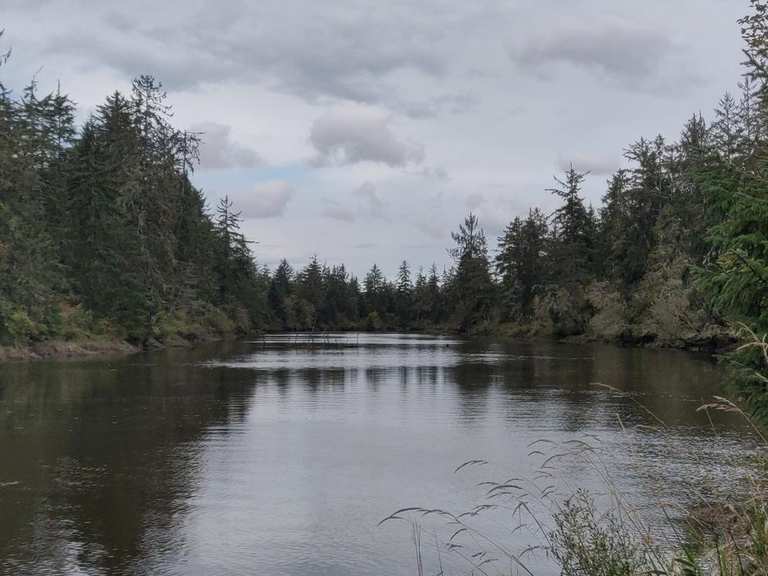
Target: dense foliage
[(102, 231)]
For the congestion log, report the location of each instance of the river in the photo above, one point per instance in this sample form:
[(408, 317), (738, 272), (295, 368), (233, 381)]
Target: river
[(280, 456)]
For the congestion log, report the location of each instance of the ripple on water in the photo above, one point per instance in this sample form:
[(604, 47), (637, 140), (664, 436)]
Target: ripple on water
[(279, 456)]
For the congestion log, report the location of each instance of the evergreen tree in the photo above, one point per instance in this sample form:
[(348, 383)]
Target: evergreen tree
[(279, 290), (522, 263), (472, 287), (573, 240), (311, 283), (737, 275), (404, 304)]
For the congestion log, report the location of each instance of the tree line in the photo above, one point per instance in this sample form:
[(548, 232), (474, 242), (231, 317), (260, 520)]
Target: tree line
[(103, 232)]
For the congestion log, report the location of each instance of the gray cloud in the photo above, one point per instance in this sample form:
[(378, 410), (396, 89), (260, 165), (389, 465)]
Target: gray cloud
[(365, 203), (265, 200), (434, 173), (353, 134), (617, 50), (337, 211), (474, 200), (218, 150), (435, 72), (350, 53), (372, 204), (596, 166), (435, 230), (458, 103)]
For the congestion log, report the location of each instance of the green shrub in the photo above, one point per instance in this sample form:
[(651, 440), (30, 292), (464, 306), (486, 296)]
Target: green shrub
[(16, 327), (585, 543)]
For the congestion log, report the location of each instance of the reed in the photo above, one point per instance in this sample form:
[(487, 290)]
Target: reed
[(573, 535)]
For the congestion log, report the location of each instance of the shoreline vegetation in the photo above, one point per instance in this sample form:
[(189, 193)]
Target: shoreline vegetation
[(105, 243), (105, 240), (717, 341), (723, 531)]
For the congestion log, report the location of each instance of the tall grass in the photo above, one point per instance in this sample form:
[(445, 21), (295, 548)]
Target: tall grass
[(566, 530)]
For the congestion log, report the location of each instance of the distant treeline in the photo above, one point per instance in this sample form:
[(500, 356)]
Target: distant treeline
[(102, 232)]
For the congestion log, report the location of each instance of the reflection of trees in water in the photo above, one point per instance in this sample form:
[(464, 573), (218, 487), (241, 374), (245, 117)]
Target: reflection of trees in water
[(427, 375), (669, 383), (105, 455), (472, 382), (319, 379), (375, 375), (404, 374), (313, 379), (550, 387)]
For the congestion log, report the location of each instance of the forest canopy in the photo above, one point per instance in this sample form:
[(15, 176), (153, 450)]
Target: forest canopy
[(102, 233)]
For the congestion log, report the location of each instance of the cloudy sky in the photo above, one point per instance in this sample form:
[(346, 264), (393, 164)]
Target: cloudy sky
[(362, 131)]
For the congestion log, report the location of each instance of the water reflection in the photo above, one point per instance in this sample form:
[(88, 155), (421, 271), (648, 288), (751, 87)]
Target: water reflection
[(279, 456)]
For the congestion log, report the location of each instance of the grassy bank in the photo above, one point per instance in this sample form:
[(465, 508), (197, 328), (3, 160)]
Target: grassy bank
[(664, 312), (720, 530), (59, 349), (76, 333), (552, 527)]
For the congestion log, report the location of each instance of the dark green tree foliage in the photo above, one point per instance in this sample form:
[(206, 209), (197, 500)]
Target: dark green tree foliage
[(376, 298), (339, 307), (472, 288), (404, 294), (311, 286), (641, 193), (737, 275), (573, 231), (522, 263), (107, 218), (240, 282), (35, 135), (684, 218), (279, 292)]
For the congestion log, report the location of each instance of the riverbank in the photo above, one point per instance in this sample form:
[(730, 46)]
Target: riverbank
[(62, 349), (664, 313), (712, 342), (712, 339), (80, 335), (94, 348)]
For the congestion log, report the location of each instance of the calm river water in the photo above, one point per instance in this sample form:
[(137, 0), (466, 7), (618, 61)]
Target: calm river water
[(279, 457)]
